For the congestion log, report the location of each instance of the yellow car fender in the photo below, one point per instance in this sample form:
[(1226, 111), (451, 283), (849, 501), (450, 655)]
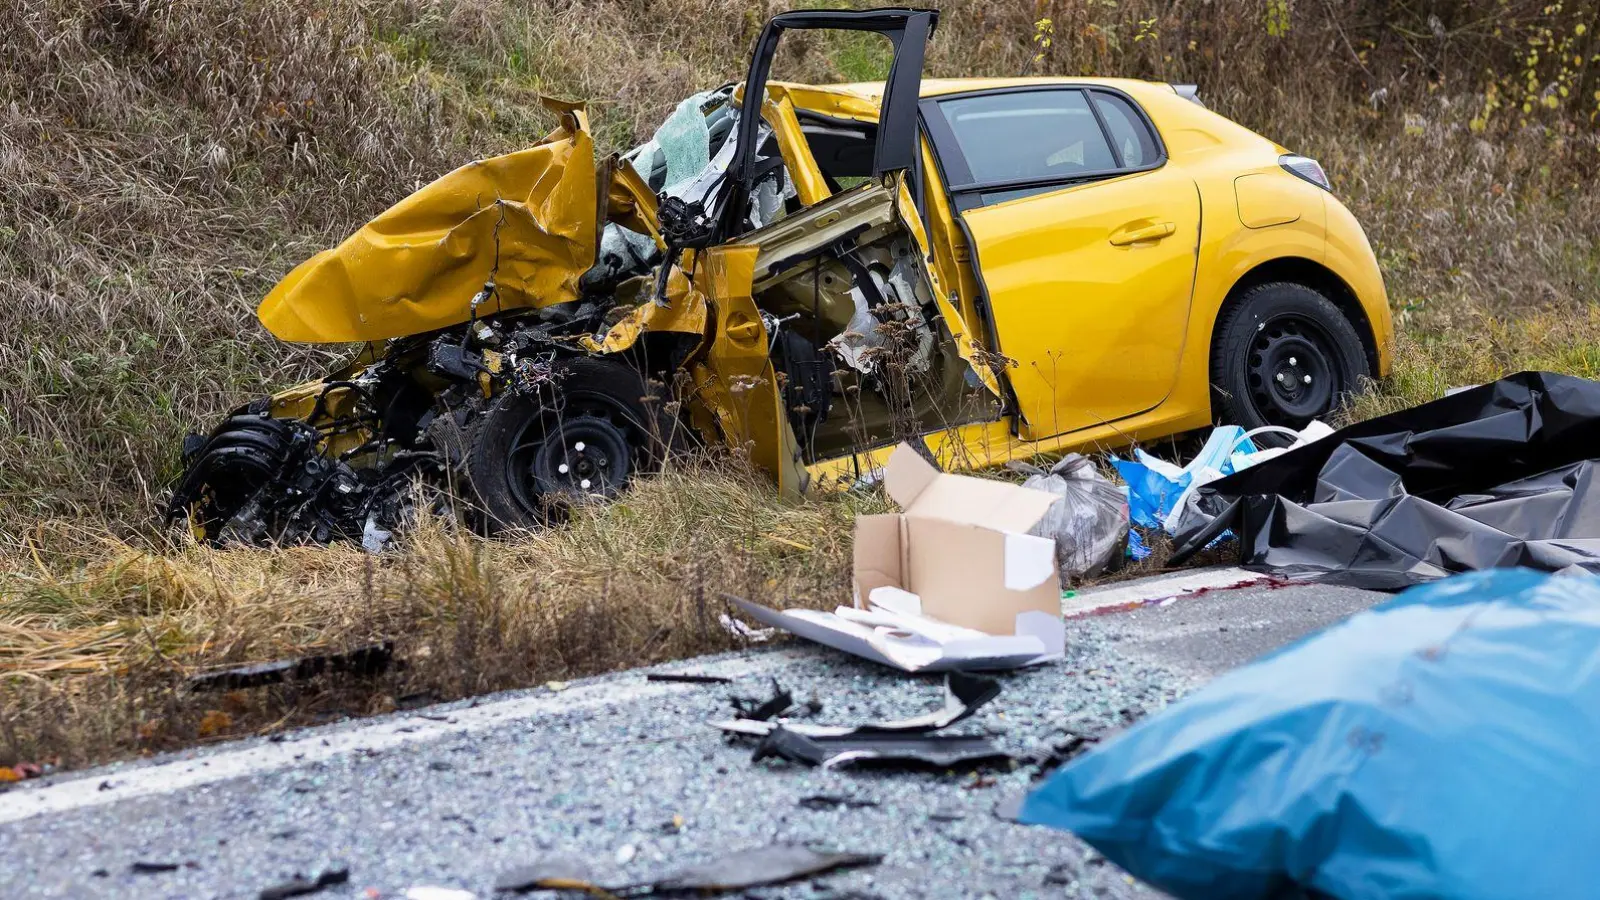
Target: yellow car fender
[(525, 221)]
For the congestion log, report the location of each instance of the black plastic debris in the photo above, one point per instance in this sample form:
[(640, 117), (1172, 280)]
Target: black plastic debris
[(903, 741), (836, 801), (687, 678), (1063, 751), (1495, 476), (901, 747), (964, 694), (145, 867), (775, 864), (367, 661), (299, 886), (761, 710)]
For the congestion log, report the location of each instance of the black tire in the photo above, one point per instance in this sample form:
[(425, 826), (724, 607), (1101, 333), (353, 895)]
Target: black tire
[(533, 455), (1284, 354)]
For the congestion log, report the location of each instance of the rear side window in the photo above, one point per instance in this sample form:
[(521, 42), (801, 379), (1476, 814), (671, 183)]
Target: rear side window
[(1028, 135), (1130, 137)]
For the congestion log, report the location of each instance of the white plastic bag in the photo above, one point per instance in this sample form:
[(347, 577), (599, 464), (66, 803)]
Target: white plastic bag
[(1090, 521)]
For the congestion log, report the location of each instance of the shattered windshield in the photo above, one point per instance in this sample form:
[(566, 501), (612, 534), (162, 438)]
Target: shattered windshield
[(687, 159)]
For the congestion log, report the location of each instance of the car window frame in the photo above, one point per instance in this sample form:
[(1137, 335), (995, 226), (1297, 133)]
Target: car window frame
[(966, 192)]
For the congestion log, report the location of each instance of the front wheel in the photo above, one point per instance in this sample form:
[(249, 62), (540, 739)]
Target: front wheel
[(1284, 355), (534, 455)]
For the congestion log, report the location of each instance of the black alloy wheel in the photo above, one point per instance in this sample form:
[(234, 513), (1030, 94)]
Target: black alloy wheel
[(1284, 355), (533, 456)]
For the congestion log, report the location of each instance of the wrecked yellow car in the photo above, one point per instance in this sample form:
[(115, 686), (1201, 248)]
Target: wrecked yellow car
[(1001, 266)]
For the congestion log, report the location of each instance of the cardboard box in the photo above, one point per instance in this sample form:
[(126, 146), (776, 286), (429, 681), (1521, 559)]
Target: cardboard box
[(961, 544), (957, 554)]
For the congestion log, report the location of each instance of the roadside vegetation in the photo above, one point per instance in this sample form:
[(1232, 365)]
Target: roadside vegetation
[(163, 163)]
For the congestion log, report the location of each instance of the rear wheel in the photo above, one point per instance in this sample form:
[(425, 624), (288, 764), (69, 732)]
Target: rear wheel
[(1284, 355), (534, 455)]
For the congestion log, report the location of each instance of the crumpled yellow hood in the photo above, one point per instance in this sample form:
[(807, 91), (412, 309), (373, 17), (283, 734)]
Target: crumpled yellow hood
[(416, 267)]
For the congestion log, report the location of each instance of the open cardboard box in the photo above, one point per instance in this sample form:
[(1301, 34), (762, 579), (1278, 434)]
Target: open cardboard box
[(958, 554)]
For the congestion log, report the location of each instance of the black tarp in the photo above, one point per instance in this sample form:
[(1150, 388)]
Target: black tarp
[(1498, 475)]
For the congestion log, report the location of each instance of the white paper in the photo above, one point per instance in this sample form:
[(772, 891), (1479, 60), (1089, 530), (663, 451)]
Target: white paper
[(1041, 638), (1030, 559), (896, 599)]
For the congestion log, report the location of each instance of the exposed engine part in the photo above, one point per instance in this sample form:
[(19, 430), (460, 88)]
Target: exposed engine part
[(259, 480)]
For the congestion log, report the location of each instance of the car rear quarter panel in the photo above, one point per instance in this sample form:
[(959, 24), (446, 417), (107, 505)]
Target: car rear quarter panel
[(1252, 213)]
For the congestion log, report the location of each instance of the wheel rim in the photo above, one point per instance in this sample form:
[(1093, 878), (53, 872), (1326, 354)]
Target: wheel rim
[(585, 450), (1294, 371)]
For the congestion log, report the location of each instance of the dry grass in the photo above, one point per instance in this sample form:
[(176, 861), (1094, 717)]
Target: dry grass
[(105, 645), (163, 163)]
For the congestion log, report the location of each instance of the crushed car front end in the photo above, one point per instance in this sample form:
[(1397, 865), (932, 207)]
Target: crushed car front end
[(541, 326)]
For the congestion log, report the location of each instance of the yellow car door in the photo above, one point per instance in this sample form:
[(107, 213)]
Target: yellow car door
[(716, 222), (1084, 241)]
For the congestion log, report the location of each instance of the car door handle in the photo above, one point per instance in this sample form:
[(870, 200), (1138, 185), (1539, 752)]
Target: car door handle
[(1122, 237)]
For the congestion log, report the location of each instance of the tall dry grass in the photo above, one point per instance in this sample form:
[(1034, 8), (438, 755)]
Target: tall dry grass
[(98, 653), (162, 163)]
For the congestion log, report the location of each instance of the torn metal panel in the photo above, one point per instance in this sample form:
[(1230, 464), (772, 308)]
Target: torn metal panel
[(742, 384), (915, 748), (683, 312), (1501, 475)]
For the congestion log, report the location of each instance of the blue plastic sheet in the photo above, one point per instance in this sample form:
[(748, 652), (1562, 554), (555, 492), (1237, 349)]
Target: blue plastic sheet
[(1137, 547), (1155, 486), (1444, 744)]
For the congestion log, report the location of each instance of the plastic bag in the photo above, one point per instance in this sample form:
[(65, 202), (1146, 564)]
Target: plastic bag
[(1441, 744), (1159, 491), (1499, 475), (1090, 521), (1156, 487)]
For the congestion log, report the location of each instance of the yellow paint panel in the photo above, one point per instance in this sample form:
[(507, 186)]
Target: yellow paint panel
[(1266, 199), (809, 185), (685, 312), (1090, 288), (742, 388), (417, 266)]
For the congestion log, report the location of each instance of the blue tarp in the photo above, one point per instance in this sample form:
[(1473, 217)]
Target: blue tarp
[(1445, 743)]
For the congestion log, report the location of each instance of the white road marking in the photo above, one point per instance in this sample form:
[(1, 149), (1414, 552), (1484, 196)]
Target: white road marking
[(316, 744), (1156, 590)]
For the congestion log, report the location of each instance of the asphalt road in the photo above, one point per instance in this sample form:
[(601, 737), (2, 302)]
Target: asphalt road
[(625, 775)]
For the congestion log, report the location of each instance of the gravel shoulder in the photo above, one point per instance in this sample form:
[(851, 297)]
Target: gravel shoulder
[(604, 768)]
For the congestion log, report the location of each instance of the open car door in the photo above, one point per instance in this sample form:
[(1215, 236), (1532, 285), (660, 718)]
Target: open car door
[(778, 324)]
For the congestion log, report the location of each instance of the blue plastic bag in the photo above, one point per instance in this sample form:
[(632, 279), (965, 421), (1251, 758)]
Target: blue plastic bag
[(1155, 486), (1444, 744)]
